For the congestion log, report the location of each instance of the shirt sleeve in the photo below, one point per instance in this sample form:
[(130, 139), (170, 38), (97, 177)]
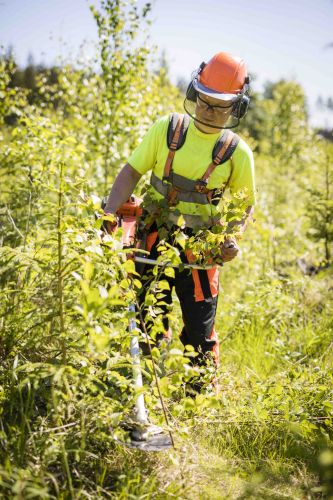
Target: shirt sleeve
[(242, 181), (144, 156)]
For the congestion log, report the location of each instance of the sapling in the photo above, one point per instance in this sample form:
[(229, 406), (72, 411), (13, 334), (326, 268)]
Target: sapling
[(320, 204)]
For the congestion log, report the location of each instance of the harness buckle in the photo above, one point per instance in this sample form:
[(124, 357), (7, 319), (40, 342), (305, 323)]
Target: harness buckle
[(201, 186), (173, 196)]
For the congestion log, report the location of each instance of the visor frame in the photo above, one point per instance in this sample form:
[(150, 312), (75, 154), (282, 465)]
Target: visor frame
[(199, 87), (188, 103)]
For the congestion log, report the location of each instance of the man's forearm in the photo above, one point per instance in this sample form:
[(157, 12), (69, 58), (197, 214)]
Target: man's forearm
[(122, 188)]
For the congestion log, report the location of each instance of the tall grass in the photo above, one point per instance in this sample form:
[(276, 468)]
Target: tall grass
[(65, 374)]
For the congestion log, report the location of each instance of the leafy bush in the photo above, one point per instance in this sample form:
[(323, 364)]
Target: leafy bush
[(65, 376)]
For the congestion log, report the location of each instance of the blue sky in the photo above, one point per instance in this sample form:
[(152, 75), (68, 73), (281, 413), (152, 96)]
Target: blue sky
[(277, 38)]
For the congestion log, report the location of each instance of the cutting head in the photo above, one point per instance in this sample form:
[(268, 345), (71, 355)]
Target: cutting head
[(147, 437)]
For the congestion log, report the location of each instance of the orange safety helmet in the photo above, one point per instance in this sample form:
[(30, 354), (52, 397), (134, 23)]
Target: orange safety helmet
[(223, 77)]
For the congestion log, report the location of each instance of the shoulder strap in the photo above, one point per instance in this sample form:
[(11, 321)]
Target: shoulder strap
[(173, 121), (222, 152), (177, 129), (229, 151)]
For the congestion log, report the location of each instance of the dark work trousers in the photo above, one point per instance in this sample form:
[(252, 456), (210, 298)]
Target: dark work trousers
[(197, 291)]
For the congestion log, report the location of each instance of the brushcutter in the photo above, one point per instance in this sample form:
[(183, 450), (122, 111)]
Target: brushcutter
[(143, 435)]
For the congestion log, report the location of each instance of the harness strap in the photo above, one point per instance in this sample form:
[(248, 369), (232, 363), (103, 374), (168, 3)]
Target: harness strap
[(173, 147), (222, 152), (173, 120), (218, 157), (173, 196)]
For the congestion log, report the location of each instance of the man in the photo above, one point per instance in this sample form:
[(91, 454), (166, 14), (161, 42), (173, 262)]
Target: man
[(193, 159)]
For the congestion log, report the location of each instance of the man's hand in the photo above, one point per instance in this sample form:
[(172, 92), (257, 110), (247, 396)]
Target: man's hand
[(229, 250)]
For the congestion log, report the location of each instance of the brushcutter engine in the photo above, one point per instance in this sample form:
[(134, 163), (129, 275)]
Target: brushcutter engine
[(127, 217), (131, 208)]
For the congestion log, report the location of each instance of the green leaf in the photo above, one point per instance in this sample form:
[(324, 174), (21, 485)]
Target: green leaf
[(163, 285), (169, 271), (129, 267)]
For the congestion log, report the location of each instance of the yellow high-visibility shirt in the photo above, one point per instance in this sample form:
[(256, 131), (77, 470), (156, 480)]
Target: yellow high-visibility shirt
[(192, 160)]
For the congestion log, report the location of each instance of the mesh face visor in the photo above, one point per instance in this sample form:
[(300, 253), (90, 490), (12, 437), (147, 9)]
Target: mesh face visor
[(219, 116)]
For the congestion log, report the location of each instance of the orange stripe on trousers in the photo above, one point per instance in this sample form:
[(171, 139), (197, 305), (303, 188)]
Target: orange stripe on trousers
[(216, 350), (213, 279)]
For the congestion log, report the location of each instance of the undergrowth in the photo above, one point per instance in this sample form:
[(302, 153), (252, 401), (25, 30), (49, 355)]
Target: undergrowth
[(65, 372)]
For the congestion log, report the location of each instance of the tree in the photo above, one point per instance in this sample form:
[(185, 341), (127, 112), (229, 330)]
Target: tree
[(320, 103), (329, 103), (125, 78), (30, 74), (320, 207)]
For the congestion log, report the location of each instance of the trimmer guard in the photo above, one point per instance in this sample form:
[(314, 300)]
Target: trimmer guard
[(149, 438)]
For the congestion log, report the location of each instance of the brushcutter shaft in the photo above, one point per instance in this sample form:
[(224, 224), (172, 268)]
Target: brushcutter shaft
[(153, 262), (141, 412)]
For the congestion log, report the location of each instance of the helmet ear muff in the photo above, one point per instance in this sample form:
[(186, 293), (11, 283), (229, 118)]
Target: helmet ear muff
[(191, 93), (240, 107)]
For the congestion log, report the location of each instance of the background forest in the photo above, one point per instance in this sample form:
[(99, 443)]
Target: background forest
[(65, 382)]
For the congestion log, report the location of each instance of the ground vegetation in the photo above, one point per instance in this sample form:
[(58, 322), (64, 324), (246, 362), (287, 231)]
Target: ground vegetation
[(65, 384)]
